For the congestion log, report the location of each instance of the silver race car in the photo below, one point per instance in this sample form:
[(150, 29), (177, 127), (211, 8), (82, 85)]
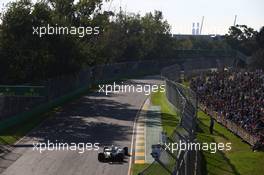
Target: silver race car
[(113, 154)]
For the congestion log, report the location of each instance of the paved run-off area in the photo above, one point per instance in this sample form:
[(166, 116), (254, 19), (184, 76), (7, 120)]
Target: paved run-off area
[(93, 118), (148, 132)]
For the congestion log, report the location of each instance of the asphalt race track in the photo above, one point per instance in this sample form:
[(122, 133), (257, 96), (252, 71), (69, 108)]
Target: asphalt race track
[(93, 118)]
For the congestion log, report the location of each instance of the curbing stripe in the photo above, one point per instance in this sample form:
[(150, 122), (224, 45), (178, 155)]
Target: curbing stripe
[(140, 136), (142, 154), (139, 161)]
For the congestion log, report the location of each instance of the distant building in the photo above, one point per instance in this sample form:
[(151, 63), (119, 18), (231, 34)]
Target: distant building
[(189, 36), (193, 29), (198, 29)]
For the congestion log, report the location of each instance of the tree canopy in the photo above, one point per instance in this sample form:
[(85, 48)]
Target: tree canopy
[(249, 42), (123, 36)]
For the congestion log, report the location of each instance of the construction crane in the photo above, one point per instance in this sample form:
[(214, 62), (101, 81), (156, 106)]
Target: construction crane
[(201, 29), (235, 20)]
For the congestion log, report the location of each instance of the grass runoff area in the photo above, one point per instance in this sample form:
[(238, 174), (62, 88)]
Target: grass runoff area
[(170, 119), (241, 160)]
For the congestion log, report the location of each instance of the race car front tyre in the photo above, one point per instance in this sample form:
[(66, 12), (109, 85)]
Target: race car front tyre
[(101, 157), (120, 157)]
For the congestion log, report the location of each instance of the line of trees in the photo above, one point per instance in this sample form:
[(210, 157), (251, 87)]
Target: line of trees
[(25, 57), (249, 42)]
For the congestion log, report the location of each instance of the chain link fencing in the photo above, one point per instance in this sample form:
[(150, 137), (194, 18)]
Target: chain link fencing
[(233, 127), (164, 164), (188, 162), (175, 161)]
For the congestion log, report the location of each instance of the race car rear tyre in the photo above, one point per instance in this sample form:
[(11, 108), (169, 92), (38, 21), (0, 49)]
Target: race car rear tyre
[(126, 151), (120, 157), (101, 157)]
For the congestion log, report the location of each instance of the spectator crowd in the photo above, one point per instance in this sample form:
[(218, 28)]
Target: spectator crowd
[(237, 95)]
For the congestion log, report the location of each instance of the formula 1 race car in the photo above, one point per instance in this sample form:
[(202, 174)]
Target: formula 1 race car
[(113, 154)]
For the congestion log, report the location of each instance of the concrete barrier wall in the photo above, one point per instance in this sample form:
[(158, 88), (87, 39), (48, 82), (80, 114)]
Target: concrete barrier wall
[(59, 86)]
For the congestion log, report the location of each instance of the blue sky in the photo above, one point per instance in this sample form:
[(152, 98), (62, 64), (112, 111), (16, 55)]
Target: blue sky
[(219, 14)]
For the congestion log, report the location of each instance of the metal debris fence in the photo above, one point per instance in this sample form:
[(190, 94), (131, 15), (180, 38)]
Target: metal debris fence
[(188, 162), (236, 129), (184, 100)]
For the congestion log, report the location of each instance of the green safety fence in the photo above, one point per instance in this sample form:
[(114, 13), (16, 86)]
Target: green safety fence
[(23, 91)]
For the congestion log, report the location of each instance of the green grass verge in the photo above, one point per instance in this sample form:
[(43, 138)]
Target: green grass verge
[(152, 170), (170, 119), (240, 160), (137, 168), (169, 115)]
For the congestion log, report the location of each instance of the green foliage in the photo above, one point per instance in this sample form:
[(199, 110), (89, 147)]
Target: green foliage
[(29, 58), (249, 42), (170, 117), (258, 56), (240, 160), (242, 38), (25, 57)]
